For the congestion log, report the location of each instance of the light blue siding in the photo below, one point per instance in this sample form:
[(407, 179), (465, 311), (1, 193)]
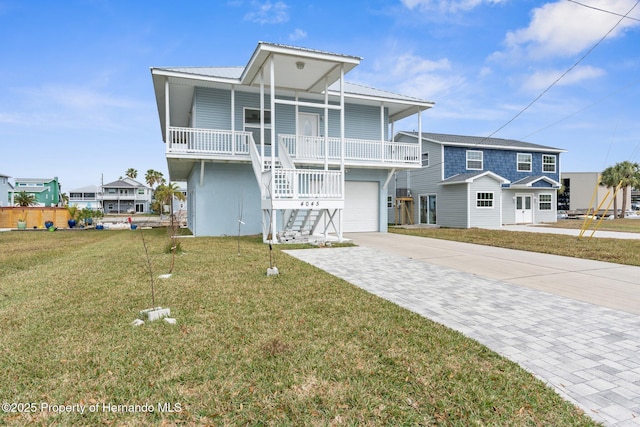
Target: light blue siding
[(216, 209)]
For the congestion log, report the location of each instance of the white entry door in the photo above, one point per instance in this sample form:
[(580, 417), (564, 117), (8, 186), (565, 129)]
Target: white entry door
[(524, 211), (307, 143)]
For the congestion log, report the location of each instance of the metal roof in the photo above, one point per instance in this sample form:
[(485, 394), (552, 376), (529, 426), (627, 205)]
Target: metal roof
[(478, 141)]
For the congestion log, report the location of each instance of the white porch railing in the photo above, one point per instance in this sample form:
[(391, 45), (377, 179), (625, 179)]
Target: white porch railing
[(356, 150), (307, 184), (208, 141)]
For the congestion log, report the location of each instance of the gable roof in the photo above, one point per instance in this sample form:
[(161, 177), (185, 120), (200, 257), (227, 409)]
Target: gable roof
[(124, 183), (463, 178), (482, 142), (530, 180)]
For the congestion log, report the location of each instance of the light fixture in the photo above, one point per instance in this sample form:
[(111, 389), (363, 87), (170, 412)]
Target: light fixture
[(300, 65)]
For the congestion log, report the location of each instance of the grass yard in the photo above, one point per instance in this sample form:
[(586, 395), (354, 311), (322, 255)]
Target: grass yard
[(609, 250), (625, 225), (301, 348)]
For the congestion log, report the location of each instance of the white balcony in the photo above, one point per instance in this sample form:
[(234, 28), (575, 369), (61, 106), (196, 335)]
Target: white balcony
[(226, 145), (208, 143), (317, 149)]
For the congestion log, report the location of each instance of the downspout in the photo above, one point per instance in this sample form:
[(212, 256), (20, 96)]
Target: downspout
[(342, 149), (167, 116)]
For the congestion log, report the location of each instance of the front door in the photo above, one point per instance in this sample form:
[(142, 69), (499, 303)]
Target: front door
[(524, 213), (308, 146)]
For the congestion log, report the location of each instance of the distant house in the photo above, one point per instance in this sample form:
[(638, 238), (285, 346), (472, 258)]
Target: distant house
[(285, 141), (582, 190), (126, 195), (86, 197), (5, 190), (46, 191), (468, 181)]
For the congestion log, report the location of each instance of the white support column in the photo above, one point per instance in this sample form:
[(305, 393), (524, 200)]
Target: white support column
[(382, 134), (201, 173), (262, 119), (167, 116), (326, 124), (342, 154), (233, 119), (272, 94)]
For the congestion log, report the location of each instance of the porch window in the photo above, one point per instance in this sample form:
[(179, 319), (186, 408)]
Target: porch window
[(544, 202), (474, 160), (252, 124), (524, 162), (548, 163), (425, 159), (484, 200)]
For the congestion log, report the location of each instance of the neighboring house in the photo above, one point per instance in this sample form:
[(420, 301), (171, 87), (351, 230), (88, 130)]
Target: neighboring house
[(46, 191), (126, 195), (5, 190), (579, 193), (85, 197), (468, 181), (283, 143)]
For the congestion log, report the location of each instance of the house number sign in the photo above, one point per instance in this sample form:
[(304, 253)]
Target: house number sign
[(310, 204)]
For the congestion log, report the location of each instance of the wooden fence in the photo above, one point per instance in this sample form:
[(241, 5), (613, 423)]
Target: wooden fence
[(35, 216)]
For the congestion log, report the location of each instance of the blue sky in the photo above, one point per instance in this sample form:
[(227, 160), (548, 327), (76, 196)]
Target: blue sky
[(76, 99)]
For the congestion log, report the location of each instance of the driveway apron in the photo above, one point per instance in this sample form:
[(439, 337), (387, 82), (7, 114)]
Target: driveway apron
[(581, 347)]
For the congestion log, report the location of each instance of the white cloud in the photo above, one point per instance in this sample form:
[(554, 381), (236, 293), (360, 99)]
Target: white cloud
[(268, 13), (450, 6), (563, 29), (298, 34), (542, 79), (409, 74)]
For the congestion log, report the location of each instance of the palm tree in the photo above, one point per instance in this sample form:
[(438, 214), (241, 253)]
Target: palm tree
[(25, 199), (165, 193), (611, 179), (131, 173), (629, 174), (64, 197), (153, 177)]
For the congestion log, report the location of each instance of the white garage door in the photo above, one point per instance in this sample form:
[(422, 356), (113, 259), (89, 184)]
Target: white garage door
[(361, 206)]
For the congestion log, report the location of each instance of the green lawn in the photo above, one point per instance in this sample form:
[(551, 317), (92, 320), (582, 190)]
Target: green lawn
[(301, 348)]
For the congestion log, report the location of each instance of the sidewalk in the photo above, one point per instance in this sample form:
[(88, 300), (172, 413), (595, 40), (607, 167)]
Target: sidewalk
[(575, 324)]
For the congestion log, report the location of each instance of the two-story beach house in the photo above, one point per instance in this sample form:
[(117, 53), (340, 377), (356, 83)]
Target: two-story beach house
[(282, 146), (126, 195), (86, 197), (468, 181), (46, 191)]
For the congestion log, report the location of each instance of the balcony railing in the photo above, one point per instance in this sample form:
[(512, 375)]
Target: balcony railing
[(226, 143), (208, 141), (306, 184), (356, 150)]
